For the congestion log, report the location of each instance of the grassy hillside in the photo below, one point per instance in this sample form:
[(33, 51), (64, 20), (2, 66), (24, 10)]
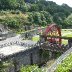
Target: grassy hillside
[(16, 13)]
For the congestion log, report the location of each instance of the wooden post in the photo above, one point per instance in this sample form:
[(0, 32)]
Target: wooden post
[(70, 42)]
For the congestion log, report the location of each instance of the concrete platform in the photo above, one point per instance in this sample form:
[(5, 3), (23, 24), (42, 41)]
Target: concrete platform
[(10, 50)]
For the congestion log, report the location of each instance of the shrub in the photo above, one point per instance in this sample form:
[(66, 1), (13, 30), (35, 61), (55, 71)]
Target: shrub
[(30, 68), (66, 65)]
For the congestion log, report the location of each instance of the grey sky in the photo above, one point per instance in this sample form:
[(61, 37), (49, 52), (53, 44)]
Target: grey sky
[(68, 2)]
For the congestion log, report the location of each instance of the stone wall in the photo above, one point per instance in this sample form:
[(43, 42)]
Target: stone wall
[(25, 57), (28, 57), (11, 34)]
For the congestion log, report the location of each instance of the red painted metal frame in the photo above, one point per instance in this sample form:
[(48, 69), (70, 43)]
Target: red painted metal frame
[(49, 28)]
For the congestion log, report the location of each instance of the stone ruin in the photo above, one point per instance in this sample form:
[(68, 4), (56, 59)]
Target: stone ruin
[(5, 32)]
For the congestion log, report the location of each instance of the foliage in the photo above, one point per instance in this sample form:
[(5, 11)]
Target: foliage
[(1, 66), (4, 65), (45, 54), (8, 4), (30, 68), (59, 18), (68, 20), (66, 65), (33, 7), (41, 12), (41, 18), (14, 21)]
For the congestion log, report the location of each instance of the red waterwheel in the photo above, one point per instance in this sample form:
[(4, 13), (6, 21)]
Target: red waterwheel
[(53, 30)]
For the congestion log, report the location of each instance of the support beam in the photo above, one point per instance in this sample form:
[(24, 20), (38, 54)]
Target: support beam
[(62, 37)]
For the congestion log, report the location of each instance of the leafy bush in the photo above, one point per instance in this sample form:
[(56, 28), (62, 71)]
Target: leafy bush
[(68, 20), (30, 68), (8, 4), (41, 18), (66, 65), (5, 65), (14, 21), (39, 12)]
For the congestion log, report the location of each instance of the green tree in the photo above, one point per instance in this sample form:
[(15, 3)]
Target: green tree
[(48, 17), (37, 18), (67, 9), (8, 4), (12, 23), (33, 7), (41, 6), (30, 18), (22, 6), (68, 21), (59, 18)]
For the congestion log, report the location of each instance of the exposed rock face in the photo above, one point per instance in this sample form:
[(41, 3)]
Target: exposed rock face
[(5, 32), (3, 28)]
